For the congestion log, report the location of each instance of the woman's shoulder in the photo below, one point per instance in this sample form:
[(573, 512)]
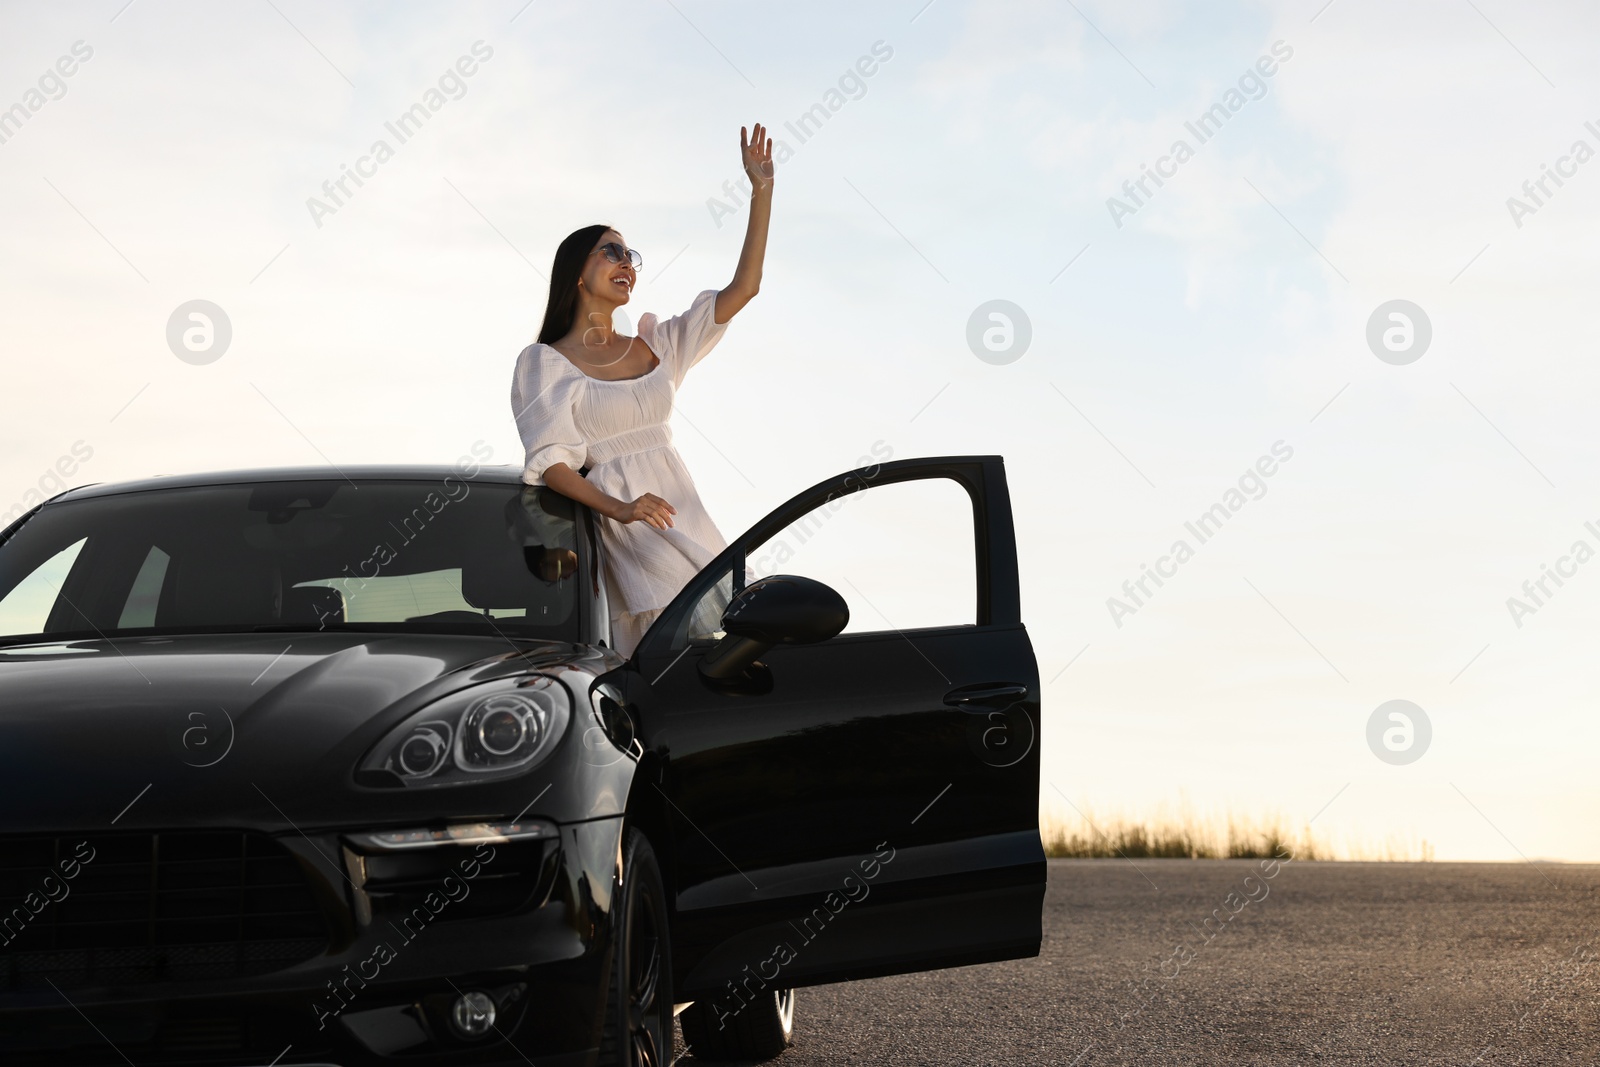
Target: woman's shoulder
[(539, 355), (543, 373), (699, 308)]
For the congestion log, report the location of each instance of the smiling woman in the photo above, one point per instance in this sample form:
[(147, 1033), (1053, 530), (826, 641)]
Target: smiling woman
[(592, 406)]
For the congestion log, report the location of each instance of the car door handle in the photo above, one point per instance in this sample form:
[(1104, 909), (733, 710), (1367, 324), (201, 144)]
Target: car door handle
[(985, 696)]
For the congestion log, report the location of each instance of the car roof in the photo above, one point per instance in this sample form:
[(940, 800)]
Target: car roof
[(375, 472)]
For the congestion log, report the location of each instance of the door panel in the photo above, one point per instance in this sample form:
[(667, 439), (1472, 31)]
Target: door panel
[(874, 807)]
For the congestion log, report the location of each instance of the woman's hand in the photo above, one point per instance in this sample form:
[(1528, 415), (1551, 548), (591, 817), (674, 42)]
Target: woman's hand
[(557, 563), (648, 508), (756, 153)]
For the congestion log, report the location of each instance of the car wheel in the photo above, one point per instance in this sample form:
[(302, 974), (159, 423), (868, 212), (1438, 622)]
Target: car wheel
[(759, 1031), (638, 1022)]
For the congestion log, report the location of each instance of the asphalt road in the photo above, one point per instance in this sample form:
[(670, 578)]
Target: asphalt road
[(1337, 963)]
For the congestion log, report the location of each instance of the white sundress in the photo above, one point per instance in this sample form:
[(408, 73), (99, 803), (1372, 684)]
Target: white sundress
[(619, 430)]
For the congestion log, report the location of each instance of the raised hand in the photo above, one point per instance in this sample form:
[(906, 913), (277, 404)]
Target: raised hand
[(756, 153)]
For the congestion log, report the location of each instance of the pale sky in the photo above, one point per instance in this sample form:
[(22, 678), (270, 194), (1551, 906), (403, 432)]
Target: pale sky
[(1226, 314)]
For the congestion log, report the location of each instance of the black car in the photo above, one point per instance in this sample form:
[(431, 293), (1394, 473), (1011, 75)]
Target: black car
[(321, 766)]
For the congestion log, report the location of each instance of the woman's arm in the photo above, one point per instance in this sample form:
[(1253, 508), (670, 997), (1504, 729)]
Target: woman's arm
[(757, 156), (650, 508)]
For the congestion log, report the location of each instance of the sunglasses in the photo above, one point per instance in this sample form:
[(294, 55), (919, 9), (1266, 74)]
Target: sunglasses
[(616, 253)]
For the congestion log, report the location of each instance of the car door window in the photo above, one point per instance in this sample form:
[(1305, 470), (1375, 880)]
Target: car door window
[(902, 555), (704, 621)]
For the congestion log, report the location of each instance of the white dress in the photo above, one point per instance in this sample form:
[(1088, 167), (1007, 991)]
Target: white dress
[(619, 430)]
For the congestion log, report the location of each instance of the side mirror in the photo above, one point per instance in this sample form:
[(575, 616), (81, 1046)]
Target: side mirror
[(783, 609)]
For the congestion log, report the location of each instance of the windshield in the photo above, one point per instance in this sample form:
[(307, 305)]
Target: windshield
[(413, 556)]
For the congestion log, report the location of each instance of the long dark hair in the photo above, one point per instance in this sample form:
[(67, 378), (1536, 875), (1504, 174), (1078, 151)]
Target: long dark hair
[(561, 309)]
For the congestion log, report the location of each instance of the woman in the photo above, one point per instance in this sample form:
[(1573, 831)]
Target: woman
[(584, 394)]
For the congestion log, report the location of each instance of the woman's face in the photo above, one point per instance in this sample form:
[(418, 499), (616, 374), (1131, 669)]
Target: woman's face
[(607, 281)]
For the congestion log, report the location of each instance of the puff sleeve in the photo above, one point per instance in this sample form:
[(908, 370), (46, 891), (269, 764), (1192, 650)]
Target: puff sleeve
[(683, 340), (543, 396)]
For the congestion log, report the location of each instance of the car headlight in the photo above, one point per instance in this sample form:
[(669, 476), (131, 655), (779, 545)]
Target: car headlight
[(487, 732)]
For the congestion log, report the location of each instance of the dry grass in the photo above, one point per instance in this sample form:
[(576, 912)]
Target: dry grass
[(1191, 837)]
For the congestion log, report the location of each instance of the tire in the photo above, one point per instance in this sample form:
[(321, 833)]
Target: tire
[(759, 1031), (638, 1021)]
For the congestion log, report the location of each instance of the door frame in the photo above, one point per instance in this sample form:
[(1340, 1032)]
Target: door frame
[(994, 545)]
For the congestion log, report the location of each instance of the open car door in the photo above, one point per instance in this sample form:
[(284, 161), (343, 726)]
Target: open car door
[(863, 804)]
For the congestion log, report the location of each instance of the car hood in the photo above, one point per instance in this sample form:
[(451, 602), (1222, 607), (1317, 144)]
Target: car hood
[(159, 731)]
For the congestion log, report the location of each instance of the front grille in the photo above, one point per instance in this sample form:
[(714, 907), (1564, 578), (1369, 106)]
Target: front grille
[(172, 1033), (149, 908)]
